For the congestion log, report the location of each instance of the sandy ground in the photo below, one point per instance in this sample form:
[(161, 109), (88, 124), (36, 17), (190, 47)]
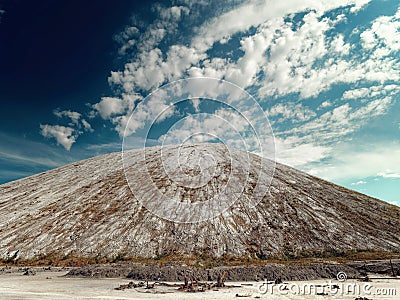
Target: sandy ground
[(51, 285)]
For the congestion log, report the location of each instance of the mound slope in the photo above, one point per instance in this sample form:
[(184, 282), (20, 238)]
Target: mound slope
[(87, 208)]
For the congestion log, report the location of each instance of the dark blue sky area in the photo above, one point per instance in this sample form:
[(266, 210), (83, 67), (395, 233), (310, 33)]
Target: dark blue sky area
[(56, 54)]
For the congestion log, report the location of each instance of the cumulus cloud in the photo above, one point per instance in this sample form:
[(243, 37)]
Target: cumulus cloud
[(377, 92), (358, 182), (227, 126), (291, 112), (127, 39), (292, 153), (76, 119), (339, 121), (365, 160), (63, 135), (73, 115), (338, 45), (384, 34), (86, 125), (174, 12), (119, 110), (66, 135), (142, 38), (109, 106), (389, 174), (358, 5), (255, 13)]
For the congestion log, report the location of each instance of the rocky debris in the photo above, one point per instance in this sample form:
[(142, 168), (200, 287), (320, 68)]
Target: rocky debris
[(189, 285), (365, 279), (130, 285), (250, 273), (29, 272), (387, 267), (104, 271), (5, 269), (86, 209), (178, 273)]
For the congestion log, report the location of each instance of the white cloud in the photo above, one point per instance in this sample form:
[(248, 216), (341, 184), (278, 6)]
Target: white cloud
[(174, 12), (366, 160), (150, 69), (226, 125), (129, 33), (109, 106), (294, 113), (127, 39), (389, 174), (360, 182), (254, 13), (77, 121), (384, 35), (368, 38), (155, 108), (289, 152), (357, 93), (321, 138), (326, 104), (338, 122), (290, 67), (73, 115), (86, 125), (63, 135), (358, 5), (145, 37), (117, 110), (338, 45)]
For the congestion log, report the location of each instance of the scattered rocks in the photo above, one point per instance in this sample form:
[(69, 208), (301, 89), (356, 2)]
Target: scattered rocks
[(130, 285), (243, 295), (365, 279), (104, 271), (177, 272), (29, 272), (379, 267)]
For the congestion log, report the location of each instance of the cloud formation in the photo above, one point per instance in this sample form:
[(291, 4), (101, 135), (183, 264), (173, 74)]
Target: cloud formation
[(319, 84), (63, 135), (66, 135)]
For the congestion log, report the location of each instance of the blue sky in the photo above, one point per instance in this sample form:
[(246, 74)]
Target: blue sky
[(326, 73)]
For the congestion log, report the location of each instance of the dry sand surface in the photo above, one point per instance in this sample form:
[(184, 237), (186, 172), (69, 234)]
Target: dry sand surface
[(53, 285)]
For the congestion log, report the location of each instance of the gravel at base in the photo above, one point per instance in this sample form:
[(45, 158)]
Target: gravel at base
[(176, 272)]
